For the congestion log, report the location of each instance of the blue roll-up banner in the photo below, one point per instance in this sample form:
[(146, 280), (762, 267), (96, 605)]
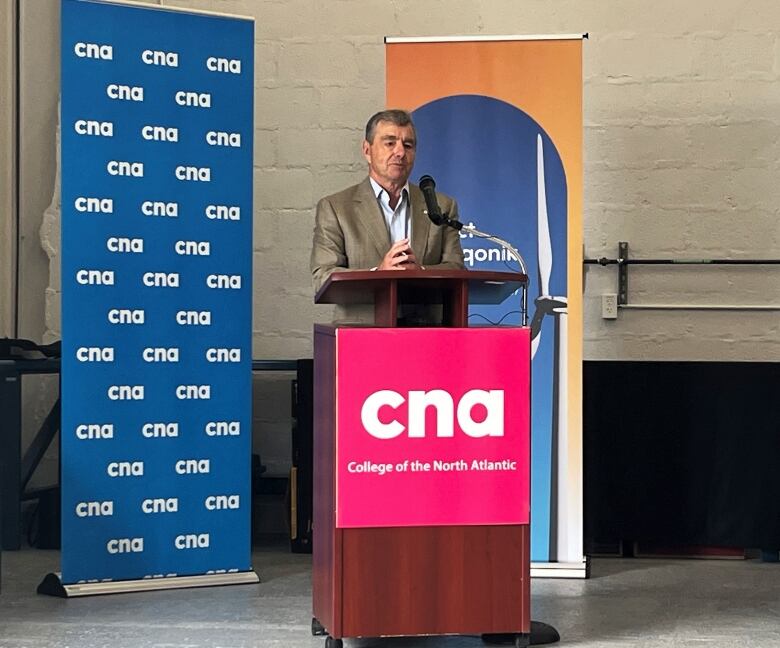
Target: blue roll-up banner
[(157, 109)]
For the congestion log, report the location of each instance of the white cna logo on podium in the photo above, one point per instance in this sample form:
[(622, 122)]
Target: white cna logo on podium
[(492, 425)]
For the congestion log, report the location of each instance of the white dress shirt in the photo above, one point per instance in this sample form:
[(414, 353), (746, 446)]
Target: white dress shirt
[(397, 219)]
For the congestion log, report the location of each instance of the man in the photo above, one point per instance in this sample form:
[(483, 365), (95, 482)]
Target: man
[(381, 223)]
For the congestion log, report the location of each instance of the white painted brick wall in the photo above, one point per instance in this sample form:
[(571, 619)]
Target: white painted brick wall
[(681, 152)]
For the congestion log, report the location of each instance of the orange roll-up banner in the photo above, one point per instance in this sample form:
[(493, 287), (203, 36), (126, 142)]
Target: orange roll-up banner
[(499, 125)]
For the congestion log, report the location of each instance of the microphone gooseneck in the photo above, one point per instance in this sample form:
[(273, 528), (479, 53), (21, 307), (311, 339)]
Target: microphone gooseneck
[(428, 187)]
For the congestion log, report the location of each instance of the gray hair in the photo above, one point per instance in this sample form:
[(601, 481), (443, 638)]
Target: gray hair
[(394, 116)]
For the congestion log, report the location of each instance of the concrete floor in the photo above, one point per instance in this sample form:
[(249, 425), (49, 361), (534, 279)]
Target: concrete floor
[(627, 602)]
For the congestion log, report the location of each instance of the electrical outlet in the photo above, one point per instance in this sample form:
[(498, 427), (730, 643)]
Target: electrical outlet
[(609, 306)]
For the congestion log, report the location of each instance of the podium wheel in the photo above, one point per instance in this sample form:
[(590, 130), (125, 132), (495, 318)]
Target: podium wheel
[(317, 629), (330, 642)]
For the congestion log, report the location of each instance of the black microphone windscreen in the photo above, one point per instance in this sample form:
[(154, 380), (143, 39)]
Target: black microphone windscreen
[(426, 181), (428, 187)]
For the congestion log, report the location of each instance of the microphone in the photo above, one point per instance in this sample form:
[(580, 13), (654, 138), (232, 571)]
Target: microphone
[(428, 187)]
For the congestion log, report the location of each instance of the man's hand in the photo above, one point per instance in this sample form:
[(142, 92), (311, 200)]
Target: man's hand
[(399, 257)]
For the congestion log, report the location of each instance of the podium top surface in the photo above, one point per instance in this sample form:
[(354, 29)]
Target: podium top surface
[(418, 286)]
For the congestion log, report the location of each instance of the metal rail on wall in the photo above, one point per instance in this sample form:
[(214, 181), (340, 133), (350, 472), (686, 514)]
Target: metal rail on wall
[(623, 261)]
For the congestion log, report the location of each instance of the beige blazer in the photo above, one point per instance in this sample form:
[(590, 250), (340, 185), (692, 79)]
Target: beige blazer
[(350, 233)]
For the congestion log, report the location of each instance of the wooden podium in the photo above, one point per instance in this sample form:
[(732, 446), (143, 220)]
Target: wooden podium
[(418, 580)]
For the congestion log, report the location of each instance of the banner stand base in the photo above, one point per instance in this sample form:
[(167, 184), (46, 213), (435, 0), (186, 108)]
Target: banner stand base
[(561, 569), (52, 585)]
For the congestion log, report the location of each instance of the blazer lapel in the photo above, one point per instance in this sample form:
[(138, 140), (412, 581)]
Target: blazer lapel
[(370, 217), (421, 224)]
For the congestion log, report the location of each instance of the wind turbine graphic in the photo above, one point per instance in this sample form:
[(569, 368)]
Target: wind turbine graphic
[(565, 534)]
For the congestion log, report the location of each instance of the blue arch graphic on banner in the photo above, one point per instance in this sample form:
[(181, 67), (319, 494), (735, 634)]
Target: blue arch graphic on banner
[(483, 152), (157, 110)]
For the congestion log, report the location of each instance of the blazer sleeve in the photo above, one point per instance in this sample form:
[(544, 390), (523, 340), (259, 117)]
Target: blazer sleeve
[(328, 252), (452, 252)]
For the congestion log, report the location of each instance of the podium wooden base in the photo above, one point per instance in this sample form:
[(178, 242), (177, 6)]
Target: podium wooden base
[(408, 581)]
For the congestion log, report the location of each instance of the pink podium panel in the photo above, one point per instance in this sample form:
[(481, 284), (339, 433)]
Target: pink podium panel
[(432, 427)]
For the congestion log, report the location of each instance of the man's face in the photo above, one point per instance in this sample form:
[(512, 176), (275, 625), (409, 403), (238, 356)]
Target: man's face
[(390, 156)]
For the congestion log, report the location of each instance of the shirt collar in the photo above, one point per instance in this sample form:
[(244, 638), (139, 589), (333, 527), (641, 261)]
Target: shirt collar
[(378, 189)]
